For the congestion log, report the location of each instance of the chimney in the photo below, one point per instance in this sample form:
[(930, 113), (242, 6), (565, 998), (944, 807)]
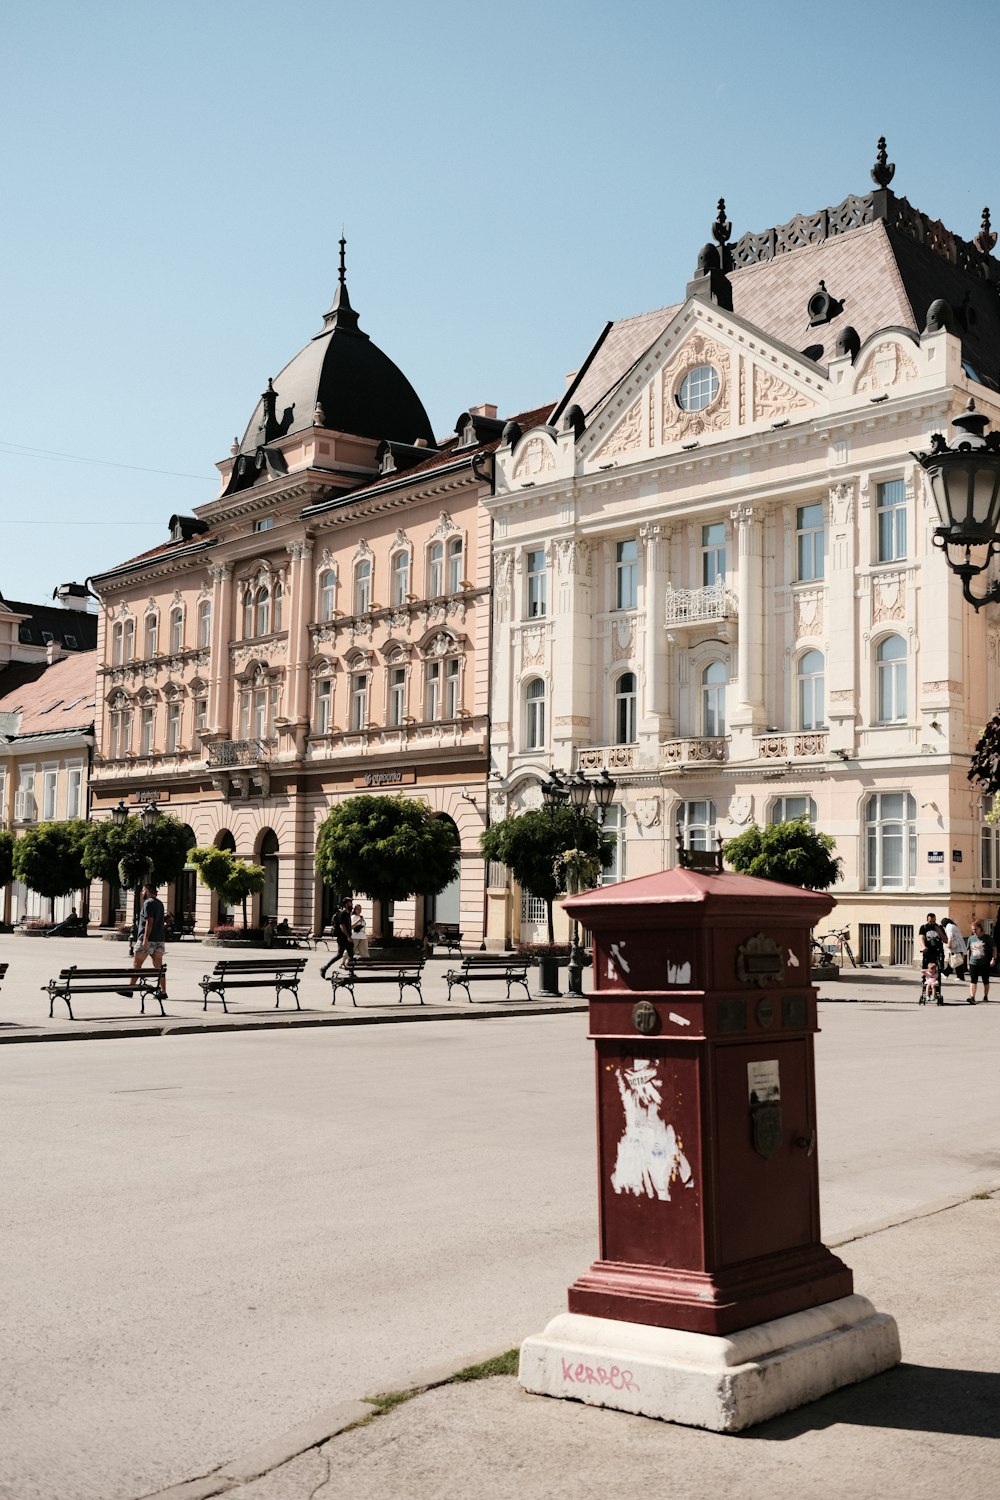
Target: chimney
[(485, 409), (72, 595), (53, 651)]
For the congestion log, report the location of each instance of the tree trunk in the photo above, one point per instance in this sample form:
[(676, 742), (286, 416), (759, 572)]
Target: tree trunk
[(244, 914), (548, 917)]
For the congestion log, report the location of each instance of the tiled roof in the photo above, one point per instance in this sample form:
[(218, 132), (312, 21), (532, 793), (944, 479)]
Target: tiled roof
[(51, 698), (52, 622)]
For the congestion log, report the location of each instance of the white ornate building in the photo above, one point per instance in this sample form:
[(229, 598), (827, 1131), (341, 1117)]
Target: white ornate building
[(713, 571)]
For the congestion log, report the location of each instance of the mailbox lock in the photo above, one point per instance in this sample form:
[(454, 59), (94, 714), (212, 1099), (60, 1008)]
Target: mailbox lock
[(807, 1143), (645, 1018)]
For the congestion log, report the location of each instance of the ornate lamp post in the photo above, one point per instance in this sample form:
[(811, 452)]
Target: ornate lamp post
[(119, 814), (575, 793), (964, 477)]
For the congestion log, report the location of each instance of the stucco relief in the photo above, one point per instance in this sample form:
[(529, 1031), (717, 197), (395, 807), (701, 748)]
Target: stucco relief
[(842, 504), (535, 458), (678, 424), (888, 364), (532, 648), (842, 695), (740, 809), (445, 525), (889, 599), (626, 436), (807, 611), (948, 685), (647, 812), (572, 721), (622, 639), (774, 397)]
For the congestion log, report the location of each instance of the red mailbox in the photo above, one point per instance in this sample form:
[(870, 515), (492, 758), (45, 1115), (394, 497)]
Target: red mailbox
[(703, 1015)]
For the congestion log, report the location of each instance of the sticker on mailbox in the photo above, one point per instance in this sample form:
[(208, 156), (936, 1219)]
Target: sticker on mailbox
[(763, 1082)]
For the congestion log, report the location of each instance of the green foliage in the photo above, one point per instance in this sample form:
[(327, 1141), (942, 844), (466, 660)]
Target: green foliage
[(387, 848), (542, 847), (6, 856), (49, 858), (791, 852), (134, 854), (104, 846), (227, 876)]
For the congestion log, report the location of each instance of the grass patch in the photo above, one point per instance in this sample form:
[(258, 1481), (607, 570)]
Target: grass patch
[(390, 1399), (504, 1364), (980, 1196)]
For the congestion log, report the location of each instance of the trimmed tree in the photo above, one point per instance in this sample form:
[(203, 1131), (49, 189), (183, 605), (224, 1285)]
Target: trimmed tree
[(134, 854), (48, 859), (547, 848), (226, 876), (387, 848), (6, 857), (791, 852)]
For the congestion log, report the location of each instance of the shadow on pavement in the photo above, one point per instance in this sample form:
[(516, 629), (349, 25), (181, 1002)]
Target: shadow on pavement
[(911, 1398)]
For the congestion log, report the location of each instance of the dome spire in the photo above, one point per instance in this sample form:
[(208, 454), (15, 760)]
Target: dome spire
[(341, 316)]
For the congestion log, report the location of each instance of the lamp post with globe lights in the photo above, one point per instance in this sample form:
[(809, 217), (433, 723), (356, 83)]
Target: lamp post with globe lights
[(574, 792)]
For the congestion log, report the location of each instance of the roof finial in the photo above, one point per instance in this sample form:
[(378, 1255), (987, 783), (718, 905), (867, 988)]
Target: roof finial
[(884, 170), (721, 229), (341, 315), (986, 238), (343, 258)]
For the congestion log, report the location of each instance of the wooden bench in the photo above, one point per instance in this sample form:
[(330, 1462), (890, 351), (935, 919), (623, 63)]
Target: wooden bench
[(74, 981), (253, 973), (477, 968), (446, 935), (402, 971), (289, 937)]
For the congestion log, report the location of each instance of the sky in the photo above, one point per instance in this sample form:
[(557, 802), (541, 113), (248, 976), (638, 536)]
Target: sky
[(509, 177)]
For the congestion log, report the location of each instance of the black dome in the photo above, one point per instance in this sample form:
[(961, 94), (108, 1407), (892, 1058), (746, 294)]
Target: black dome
[(357, 388)]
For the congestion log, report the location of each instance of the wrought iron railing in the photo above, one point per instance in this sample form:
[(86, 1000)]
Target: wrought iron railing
[(691, 606), (240, 752)]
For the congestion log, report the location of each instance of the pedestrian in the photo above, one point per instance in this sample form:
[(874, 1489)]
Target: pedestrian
[(980, 956), (359, 932), (932, 941), (342, 922), (957, 951), (151, 936), (931, 987)]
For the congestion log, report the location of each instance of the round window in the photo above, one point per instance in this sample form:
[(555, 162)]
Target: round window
[(699, 388)]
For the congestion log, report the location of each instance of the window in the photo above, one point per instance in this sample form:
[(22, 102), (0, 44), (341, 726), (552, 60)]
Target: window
[(359, 700), (204, 623), (74, 791), (890, 673), (177, 630), (363, 587), (324, 705), (696, 824), (279, 603), (713, 554), (627, 575), (201, 713), (784, 809), (433, 679), (810, 542), (536, 584), (698, 388), (713, 699), (50, 782), (989, 848), (452, 679), (248, 614), (258, 714), (625, 709), (24, 800), (327, 594), (116, 645), (148, 730), (890, 509), (400, 577), (152, 633), (128, 640), (173, 728), (70, 642), (809, 690), (890, 841), (264, 524), (121, 728), (397, 695), (534, 714), (435, 570), (262, 605), (614, 823), (455, 564)]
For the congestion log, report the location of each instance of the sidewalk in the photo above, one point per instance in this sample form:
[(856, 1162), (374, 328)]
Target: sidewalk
[(33, 961), (926, 1428)]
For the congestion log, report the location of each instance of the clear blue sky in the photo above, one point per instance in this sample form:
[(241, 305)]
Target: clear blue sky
[(510, 176)]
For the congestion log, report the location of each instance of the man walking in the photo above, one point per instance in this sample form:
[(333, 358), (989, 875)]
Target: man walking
[(342, 922), (932, 949), (151, 936)]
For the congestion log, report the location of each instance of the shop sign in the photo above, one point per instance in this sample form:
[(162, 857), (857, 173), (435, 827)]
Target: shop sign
[(373, 779)]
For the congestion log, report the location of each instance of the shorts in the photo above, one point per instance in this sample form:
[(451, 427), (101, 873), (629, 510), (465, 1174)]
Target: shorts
[(144, 948), (979, 969)]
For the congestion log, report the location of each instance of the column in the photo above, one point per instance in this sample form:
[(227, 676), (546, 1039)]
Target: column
[(299, 648), (748, 713), (219, 695), (841, 629), (655, 536)]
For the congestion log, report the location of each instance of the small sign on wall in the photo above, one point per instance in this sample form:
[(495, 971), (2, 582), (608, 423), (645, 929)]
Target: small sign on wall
[(935, 856)]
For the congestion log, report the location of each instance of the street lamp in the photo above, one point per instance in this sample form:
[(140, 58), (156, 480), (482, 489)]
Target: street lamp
[(119, 814), (577, 790), (964, 477), (150, 814)]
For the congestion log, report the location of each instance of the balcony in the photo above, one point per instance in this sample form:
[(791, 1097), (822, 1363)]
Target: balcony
[(607, 758), (240, 752), (804, 745), (694, 751), (699, 606)]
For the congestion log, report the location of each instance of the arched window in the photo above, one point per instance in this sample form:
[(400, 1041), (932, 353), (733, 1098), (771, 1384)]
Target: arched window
[(400, 577), (359, 700), (452, 687), (890, 680), (455, 564), (435, 570), (890, 841), (205, 623), (534, 715), (397, 695), (263, 612), (177, 629), (696, 824), (248, 614), (152, 633), (625, 709), (121, 727), (116, 644), (128, 640), (279, 602), (713, 699), (324, 705), (809, 685), (268, 857), (362, 587), (327, 594)]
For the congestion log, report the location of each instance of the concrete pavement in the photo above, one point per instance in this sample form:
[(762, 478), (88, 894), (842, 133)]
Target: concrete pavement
[(919, 1431)]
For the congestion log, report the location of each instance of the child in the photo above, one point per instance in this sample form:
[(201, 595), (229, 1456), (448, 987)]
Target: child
[(931, 989)]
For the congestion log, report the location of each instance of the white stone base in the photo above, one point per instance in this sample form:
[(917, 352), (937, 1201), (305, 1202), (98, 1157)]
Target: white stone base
[(702, 1380)]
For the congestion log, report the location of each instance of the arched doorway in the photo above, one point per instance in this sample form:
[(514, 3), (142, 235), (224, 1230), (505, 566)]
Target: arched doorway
[(268, 857), (186, 895), (446, 905), (224, 913)]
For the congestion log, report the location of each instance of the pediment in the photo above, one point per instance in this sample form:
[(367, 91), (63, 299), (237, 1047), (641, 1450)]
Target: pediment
[(885, 360)]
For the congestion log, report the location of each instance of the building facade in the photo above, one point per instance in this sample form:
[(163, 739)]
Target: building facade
[(714, 575)]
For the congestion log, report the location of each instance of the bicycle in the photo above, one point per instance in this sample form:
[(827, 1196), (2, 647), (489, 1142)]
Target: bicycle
[(841, 941), (821, 957)]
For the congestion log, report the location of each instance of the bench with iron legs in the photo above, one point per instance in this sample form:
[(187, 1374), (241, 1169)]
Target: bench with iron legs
[(446, 935), (404, 972), (481, 968), (253, 973), (75, 981), (290, 937), (3, 972)]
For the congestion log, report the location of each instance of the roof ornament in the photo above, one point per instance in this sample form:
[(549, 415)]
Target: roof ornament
[(234, 446), (341, 315), (884, 170), (986, 238), (722, 228)]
